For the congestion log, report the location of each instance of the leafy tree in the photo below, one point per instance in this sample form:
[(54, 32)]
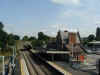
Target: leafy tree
[(6, 39), (42, 36), (91, 37), (25, 38), (37, 43), (16, 37), (32, 38), (1, 25), (11, 39), (3, 36)]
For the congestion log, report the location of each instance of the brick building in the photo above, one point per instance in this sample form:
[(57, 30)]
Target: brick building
[(65, 38), (69, 41)]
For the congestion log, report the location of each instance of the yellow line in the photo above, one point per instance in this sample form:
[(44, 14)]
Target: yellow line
[(22, 73), (59, 68)]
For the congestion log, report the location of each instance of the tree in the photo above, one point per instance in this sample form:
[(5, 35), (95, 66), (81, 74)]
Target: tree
[(1, 25), (37, 43), (6, 39), (42, 36), (3, 36), (11, 39), (25, 38), (91, 37), (16, 37), (32, 38)]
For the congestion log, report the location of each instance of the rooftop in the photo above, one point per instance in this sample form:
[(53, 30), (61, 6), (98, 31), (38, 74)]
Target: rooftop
[(94, 42)]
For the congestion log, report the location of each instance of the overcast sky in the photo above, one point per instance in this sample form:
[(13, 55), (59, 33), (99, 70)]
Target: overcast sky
[(27, 17)]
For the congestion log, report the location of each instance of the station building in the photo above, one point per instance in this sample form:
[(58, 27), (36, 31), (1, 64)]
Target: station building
[(70, 41), (66, 38)]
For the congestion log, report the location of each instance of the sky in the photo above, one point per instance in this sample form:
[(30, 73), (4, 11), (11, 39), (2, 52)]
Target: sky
[(28, 17)]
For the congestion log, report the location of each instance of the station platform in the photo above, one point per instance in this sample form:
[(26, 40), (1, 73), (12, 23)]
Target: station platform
[(67, 70), (23, 66)]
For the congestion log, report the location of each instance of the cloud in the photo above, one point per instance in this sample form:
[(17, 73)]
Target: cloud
[(59, 26), (83, 20), (44, 30), (52, 30), (64, 2)]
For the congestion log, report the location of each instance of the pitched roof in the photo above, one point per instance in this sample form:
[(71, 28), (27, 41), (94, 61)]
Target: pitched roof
[(64, 35)]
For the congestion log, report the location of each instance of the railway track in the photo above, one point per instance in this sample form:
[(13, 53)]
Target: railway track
[(30, 67), (36, 66)]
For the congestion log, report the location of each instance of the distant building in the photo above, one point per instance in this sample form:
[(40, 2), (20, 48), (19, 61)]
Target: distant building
[(70, 41), (74, 38), (62, 40), (51, 43), (65, 38), (98, 34)]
